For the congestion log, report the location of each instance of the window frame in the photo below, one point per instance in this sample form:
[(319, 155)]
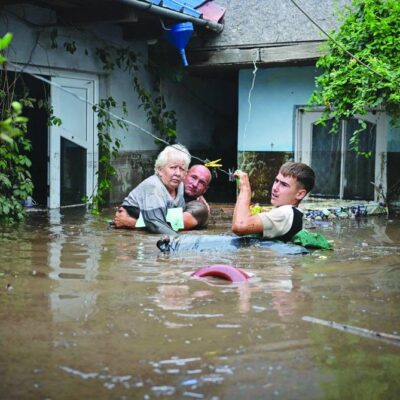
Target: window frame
[(304, 119)]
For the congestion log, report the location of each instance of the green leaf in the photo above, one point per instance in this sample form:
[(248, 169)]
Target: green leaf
[(5, 40)]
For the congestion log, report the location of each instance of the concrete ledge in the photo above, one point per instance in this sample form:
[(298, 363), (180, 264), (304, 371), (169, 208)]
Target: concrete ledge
[(314, 210), (341, 209)]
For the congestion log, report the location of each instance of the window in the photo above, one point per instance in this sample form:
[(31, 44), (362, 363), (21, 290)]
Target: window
[(341, 172)]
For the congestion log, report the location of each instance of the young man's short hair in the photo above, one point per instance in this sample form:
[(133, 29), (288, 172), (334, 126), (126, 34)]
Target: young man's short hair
[(304, 174)]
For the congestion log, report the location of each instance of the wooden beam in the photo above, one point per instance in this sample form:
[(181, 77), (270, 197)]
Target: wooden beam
[(222, 57), (293, 52)]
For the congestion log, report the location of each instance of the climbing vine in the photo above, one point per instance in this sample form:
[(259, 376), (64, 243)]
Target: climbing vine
[(152, 101), (108, 150), (163, 120), (8, 128), (350, 86), (15, 178)]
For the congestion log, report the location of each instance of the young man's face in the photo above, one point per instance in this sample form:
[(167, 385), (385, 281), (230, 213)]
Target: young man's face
[(197, 181), (286, 191)]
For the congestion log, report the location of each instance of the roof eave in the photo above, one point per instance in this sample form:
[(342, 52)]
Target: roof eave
[(165, 12)]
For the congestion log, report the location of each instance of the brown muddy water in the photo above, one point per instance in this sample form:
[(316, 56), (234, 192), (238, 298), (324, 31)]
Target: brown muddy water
[(88, 312)]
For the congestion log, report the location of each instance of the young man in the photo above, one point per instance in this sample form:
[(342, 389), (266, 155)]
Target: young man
[(293, 182), (196, 212)]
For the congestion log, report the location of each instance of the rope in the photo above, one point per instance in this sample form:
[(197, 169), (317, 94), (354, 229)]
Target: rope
[(113, 115), (336, 42)]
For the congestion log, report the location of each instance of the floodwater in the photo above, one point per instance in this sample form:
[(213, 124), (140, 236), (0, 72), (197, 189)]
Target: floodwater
[(88, 312)]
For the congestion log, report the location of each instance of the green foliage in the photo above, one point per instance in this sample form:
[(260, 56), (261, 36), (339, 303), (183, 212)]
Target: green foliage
[(121, 57), (53, 38), (163, 120), (369, 30), (15, 178), (10, 126), (70, 47), (152, 102), (256, 209), (7, 128), (4, 43), (108, 149)]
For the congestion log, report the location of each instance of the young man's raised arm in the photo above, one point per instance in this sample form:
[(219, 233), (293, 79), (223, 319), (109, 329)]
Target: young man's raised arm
[(243, 223)]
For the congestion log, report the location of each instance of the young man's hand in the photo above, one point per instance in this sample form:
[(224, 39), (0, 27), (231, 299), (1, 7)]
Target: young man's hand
[(244, 183)]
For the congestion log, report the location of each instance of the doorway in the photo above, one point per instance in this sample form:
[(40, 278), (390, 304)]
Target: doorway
[(73, 153), (64, 156)]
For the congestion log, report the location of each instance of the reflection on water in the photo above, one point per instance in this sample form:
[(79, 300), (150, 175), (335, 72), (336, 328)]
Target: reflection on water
[(73, 258), (89, 311)]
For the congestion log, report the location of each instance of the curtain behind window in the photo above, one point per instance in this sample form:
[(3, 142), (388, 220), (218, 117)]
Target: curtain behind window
[(325, 158), (359, 171)]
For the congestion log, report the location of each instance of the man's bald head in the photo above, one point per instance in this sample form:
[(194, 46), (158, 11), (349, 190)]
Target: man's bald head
[(197, 180)]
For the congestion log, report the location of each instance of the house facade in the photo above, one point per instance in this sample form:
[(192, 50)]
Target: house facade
[(274, 47), (242, 98)]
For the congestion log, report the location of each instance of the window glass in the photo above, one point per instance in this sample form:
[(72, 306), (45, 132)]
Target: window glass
[(326, 159), (359, 170)]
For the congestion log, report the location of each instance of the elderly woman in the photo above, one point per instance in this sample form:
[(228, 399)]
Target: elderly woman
[(155, 195)]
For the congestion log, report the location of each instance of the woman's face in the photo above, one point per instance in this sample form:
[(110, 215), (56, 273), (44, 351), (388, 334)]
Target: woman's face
[(172, 174)]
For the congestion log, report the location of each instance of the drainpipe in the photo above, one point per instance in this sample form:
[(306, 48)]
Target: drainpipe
[(165, 12)]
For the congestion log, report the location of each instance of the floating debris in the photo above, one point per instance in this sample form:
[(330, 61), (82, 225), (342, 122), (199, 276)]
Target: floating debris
[(386, 337)]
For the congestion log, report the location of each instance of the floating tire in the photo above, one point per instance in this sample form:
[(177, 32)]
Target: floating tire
[(227, 272)]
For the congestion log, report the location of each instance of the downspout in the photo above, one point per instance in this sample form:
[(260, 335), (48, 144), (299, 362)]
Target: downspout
[(165, 12)]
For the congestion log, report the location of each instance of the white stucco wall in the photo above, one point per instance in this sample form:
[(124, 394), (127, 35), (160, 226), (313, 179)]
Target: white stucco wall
[(267, 122), (266, 111), (31, 48)]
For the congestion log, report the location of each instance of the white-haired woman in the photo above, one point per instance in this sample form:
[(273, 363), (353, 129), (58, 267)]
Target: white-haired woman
[(155, 195)]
